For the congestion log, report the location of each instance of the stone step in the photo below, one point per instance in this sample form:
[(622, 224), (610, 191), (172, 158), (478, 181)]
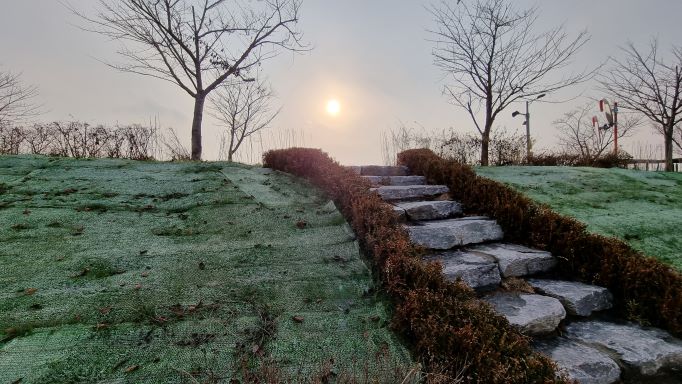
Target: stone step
[(516, 260), (410, 192), (396, 180), (531, 314), (381, 170), (579, 299), (579, 362), (450, 233), (477, 271), (428, 210), (642, 352)]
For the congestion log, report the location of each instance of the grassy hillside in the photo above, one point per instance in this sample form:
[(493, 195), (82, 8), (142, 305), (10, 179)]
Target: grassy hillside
[(642, 208), (129, 271)]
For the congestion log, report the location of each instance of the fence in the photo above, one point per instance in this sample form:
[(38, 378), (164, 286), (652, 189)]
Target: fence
[(654, 165)]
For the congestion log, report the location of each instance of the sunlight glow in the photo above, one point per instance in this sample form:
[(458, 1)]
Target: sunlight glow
[(333, 107)]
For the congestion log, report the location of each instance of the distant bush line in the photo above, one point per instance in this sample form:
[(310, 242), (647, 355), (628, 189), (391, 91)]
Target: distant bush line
[(82, 140), (644, 289), (457, 337), (505, 148), (608, 160)]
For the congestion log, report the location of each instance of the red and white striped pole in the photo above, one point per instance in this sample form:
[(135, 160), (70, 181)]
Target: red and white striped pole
[(615, 128)]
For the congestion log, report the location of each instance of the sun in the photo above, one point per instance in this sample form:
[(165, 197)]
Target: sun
[(333, 107)]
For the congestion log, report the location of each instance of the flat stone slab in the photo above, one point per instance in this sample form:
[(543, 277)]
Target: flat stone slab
[(450, 233), (516, 260), (479, 272), (410, 192), (579, 299), (355, 168), (429, 210), (396, 180), (532, 314), (647, 352), (382, 170), (581, 363)]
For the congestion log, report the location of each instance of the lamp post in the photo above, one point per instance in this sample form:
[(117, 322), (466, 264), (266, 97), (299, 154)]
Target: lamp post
[(527, 123)]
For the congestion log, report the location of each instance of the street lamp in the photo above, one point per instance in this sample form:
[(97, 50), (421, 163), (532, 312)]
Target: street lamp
[(527, 122)]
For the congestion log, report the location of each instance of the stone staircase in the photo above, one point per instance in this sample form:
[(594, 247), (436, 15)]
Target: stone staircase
[(564, 318)]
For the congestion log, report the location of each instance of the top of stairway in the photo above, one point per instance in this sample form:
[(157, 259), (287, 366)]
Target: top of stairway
[(380, 170)]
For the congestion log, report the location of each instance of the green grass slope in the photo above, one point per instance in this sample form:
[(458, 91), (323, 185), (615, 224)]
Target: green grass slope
[(122, 271), (642, 208)]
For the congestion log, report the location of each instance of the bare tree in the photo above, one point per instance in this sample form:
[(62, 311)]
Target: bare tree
[(493, 58), (197, 44), (578, 135), (243, 109), (645, 83), (17, 101)]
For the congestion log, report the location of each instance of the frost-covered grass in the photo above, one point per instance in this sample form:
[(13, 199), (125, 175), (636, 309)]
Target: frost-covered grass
[(122, 271), (642, 208)]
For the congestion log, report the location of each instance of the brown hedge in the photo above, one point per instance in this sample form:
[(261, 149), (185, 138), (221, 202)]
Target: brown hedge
[(644, 288), (454, 334)]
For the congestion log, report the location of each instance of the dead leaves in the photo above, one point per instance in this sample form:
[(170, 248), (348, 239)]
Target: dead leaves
[(298, 319), (132, 368), (82, 273), (301, 224), (30, 291)]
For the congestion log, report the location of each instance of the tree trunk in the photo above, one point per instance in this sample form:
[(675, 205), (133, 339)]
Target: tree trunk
[(485, 140), (485, 143), (668, 131), (196, 126)]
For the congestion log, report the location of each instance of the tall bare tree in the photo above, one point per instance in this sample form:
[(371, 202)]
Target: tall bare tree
[(578, 135), (646, 83), (493, 58), (17, 101), (244, 109), (197, 44)]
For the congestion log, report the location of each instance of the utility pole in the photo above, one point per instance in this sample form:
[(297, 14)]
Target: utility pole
[(528, 130), (527, 124)]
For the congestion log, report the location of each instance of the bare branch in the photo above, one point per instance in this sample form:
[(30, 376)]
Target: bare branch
[(197, 44), (493, 58), (17, 101), (578, 136)]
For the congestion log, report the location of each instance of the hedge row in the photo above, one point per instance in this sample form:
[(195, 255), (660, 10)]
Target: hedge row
[(644, 289), (455, 335)]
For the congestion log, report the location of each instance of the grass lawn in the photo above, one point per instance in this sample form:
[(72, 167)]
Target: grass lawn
[(642, 208), (123, 271)]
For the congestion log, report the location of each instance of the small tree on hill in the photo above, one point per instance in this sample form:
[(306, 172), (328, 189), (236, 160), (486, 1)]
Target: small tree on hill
[(578, 135), (243, 109)]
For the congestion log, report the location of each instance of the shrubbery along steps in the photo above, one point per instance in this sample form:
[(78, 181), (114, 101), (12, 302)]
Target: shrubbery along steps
[(468, 249), (454, 335)]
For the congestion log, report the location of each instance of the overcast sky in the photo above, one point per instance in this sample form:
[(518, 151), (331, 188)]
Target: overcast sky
[(374, 56)]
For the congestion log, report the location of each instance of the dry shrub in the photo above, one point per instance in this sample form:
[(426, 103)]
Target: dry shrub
[(609, 160), (643, 287), (456, 336), (81, 140)]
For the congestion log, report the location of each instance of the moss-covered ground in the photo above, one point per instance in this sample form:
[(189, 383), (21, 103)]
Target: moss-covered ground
[(123, 271), (642, 208)]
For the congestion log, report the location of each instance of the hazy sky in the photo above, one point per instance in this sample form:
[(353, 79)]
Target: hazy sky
[(372, 55)]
